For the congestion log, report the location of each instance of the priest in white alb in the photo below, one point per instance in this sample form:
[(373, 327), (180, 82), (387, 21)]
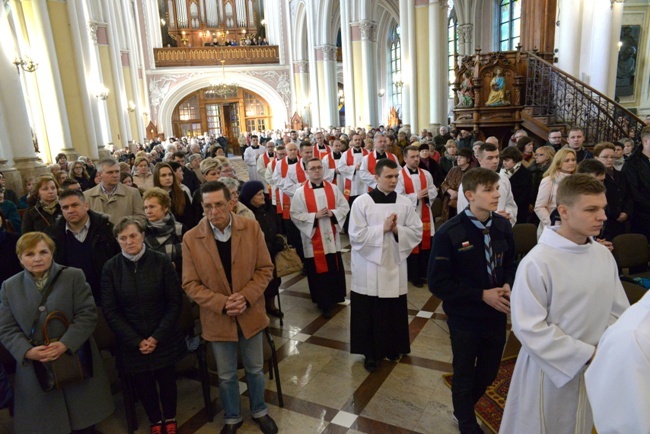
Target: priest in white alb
[(318, 209), (618, 384), (330, 163), (348, 166), (276, 196), (384, 229), (566, 293), (262, 163), (250, 158), (369, 162), (417, 185)]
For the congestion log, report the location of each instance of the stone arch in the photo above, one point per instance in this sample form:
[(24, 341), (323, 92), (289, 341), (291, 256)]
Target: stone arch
[(300, 43), (277, 102)]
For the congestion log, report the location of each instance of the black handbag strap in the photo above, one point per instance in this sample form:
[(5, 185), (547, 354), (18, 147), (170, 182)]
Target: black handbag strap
[(41, 305)]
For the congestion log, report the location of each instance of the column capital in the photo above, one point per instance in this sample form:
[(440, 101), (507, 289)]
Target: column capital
[(465, 32), (92, 28), (301, 66), (326, 52), (444, 4), (368, 30)]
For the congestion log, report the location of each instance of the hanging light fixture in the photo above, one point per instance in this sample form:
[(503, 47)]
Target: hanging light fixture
[(221, 89)]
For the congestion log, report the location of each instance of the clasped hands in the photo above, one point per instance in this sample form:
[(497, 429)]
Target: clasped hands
[(148, 345), (46, 353), (324, 213), (498, 298), (236, 304), (390, 224)]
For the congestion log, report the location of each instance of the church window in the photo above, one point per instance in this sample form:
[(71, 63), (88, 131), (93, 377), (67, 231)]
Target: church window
[(509, 24)]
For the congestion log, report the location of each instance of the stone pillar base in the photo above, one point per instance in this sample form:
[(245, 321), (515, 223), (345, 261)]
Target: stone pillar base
[(71, 154), (23, 168)]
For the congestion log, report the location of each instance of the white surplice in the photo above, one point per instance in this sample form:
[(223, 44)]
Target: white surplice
[(289, 183), (261, 165), (564, 297), (366, 175), (357, 186), (304, 220), (330, 170), (413, 197), (506, 200), (250, 158), (618, 380), (379, 261)]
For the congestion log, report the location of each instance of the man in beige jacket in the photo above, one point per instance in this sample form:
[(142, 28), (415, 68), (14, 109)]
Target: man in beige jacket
[(111, 197), (226, 267)]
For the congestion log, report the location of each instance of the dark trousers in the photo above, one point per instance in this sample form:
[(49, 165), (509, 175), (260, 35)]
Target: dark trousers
[(347, 220), (293, 237), (641, 225), (416, 266), (477, 356), (153, 397)]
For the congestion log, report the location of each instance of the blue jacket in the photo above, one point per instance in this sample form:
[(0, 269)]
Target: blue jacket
[(458, 274)]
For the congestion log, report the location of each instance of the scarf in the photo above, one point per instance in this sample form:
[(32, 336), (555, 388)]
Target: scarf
[(41, 281), (50, 209), (165, 236), (487, 241), (510, 172), (135, 258)]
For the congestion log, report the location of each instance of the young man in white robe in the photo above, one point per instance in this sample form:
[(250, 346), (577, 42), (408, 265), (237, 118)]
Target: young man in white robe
[(417, 185), (384, 229), (369, 162), (250, 158), (318, 209), (330, 163), (321, 149), (276, 196), (262, 163), (566, 293), (488, 158), (471, 269), (348, 166), (618, 384)]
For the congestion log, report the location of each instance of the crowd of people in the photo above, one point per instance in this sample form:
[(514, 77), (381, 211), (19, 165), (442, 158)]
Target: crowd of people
[(152, 228)]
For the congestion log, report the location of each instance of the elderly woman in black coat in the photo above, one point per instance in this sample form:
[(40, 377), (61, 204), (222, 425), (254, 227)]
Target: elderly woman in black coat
[(252, 195), (142, 302)]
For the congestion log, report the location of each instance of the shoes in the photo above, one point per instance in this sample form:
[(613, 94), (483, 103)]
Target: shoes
[(156, 428), (267, 425), (327, 313), (417, 283), (394, 357), (231, 428), (171, 427), (370, 365), (275, 312)]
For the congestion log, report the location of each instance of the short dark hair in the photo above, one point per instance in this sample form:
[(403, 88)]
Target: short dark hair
[(178, 154), (136, 221), (305, 144), (312, 159), (174, 165), (70, 193), (280, 148), (512, 153), (254, 136), (412, 148), (67, 183), (487, 147), (523, 141), (212, 186), (577, 128), (479, 176), (574, 186), (591, 167), (384, 162), (555, 130), (600, 147)]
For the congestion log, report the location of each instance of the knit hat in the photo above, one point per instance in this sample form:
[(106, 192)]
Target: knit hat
[(465, 152), (248, 190)]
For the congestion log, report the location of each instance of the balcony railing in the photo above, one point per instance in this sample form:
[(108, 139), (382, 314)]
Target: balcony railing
[(552, 92), (210, 56)]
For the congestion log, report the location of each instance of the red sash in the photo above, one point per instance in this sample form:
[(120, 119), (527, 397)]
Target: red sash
[(330, 161), (267, 160), (321, 154), (316, 240), (409, 188), (278, 201), (300, 174), (349, 160), (372, 160)]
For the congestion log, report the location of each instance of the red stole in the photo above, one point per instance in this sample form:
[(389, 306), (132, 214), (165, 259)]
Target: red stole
[(372, 160), (330, 161), (349, 160), (300, 174), (267, 160), (409, 188), (321, 154), (278, 201), (316, 240)]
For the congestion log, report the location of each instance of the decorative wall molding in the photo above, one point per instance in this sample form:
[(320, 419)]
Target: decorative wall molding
[(368, 30)]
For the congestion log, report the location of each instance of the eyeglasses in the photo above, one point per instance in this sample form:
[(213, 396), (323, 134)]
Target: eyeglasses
[(220, 206), (611, 157), (315, 168)]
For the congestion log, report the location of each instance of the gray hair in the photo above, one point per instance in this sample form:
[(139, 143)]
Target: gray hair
[(128, 221), (105, 162), (193, 157), (231, 183)]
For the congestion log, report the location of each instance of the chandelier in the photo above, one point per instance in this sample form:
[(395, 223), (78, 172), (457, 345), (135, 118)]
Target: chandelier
[(221, 89)]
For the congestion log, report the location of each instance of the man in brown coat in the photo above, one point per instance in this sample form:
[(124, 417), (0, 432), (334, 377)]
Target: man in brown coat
[(226, 267)]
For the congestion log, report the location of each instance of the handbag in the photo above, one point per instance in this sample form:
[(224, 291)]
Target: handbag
[(287, 261), (68, 369)]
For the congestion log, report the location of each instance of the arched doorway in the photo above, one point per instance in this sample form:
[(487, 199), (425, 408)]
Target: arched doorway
[(202, 112)]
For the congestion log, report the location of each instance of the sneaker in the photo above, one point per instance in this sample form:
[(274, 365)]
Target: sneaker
[(171, 427), (156, 428)]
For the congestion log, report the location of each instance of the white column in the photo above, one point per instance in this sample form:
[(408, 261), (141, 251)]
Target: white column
[(132, 44), (369, 64), (465, 37), (438, 69), (409, 70), (568, 36), (348, 75), (601, 38), (329, 89), (314, 102), (118, 78), (102, 110), (49, 80), (407, 114)]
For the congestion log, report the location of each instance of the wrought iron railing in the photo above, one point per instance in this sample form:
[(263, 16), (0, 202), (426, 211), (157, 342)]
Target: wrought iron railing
[(564, 99)]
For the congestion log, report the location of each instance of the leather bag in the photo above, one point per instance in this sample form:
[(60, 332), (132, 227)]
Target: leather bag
[(287, 261)]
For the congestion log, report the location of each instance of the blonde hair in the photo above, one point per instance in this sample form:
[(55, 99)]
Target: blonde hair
[(30, 240), (451, 143), (158, 193), (556, 164), (209, 164), (548, 151)]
